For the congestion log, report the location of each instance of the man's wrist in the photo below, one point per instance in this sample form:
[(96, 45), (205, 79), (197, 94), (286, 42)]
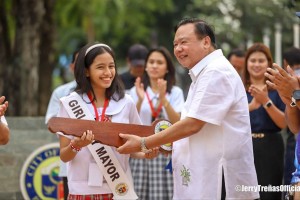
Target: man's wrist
[(144, 148)]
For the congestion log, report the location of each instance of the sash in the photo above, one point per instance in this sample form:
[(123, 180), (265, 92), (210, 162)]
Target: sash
[(104, 156)]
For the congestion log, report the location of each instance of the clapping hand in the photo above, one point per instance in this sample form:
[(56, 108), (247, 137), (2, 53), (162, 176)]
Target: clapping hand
[(285, 82), (3, 105), (139, 88)]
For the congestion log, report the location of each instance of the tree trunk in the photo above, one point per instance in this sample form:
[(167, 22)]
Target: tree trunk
[(27, 56), (47, 57), (5, 46)]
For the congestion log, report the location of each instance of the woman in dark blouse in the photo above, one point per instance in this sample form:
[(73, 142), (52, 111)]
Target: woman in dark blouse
[(267, 119)]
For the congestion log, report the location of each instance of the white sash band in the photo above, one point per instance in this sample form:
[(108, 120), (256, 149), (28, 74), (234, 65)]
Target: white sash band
[(107, 162)]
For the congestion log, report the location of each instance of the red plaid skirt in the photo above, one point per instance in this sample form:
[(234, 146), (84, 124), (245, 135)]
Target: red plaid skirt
[(91, 197)]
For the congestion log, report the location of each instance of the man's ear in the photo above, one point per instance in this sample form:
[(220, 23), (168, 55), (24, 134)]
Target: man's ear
[(207, 41)]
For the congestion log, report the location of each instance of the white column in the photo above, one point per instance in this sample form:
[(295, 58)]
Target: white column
[(249, 41), (278, 39), (266, 37), (296, 35)]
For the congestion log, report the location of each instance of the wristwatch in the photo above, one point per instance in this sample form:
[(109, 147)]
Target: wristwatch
[(268, 104), (295, 98), (144, 149)]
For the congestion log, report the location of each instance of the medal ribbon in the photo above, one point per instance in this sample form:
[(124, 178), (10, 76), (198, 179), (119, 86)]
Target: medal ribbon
[(154, 112), (95, 108)]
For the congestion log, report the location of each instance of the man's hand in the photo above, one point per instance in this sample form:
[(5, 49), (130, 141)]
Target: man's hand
[(284, 82), (132, 144), (152, 154)]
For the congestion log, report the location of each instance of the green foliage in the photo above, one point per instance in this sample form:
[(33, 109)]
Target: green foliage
[(121, 23)]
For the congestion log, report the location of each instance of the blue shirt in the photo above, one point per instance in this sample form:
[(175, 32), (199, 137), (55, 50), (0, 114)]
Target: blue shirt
[(260, 121)]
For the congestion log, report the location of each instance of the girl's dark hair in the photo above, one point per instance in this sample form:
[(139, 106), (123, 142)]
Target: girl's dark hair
[(202, 29), (256, 47), (84, 61), (169, 76)]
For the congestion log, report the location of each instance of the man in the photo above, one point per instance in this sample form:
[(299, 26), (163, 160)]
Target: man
[(291, 57), (287, 83), (136, 61), (214, 133), (4, 130), (52, 110), (237, 58)]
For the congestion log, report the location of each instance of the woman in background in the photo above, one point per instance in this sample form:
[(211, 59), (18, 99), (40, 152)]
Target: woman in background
[(156, 97), (267, 119)]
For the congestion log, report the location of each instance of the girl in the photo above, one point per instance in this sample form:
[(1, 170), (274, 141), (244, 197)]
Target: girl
[(156, 97), (102, 98)]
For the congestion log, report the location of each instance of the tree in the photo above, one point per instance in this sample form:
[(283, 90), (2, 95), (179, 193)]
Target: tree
[(27, 37)]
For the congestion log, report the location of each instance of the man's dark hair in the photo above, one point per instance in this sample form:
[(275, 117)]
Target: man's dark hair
[(202, 29), (236, 52), (292, 56)]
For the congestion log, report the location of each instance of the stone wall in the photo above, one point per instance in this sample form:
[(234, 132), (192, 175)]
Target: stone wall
[(26, 135)]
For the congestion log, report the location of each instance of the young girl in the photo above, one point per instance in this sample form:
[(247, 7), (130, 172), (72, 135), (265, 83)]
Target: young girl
[(97, 171), (156, 97), (267, 119)]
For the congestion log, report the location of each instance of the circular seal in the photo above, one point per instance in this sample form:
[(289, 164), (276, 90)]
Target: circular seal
[(39, 175), (121, 189), (160, 126)]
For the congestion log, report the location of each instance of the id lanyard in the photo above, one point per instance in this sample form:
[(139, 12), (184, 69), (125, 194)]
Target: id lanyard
[(154, 112), (95, 108)]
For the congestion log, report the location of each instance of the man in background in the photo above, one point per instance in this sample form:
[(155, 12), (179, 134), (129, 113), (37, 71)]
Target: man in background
[(136, 57), (287, 83), (291, 57), (237, 58), (52, 110)]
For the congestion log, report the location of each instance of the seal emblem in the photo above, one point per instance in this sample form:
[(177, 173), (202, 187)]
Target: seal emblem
[(121, 189), (160, 126), (39, 176)]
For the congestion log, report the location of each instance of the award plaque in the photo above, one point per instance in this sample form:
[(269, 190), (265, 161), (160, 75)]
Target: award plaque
[(107, 132)]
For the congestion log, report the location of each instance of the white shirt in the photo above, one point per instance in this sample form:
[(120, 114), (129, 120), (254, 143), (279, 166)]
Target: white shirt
[(217, 97), (54, 103), (82, 170), (175, 98), (53, 108)]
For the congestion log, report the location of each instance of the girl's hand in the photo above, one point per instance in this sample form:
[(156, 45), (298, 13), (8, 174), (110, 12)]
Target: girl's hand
[(139, 89), (162, 88), (86, 139)]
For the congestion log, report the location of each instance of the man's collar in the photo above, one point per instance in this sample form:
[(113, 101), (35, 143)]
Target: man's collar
[(196, 70)]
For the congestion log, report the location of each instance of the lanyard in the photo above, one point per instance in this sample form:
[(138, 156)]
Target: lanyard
[(95, 108), (156, 112)]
